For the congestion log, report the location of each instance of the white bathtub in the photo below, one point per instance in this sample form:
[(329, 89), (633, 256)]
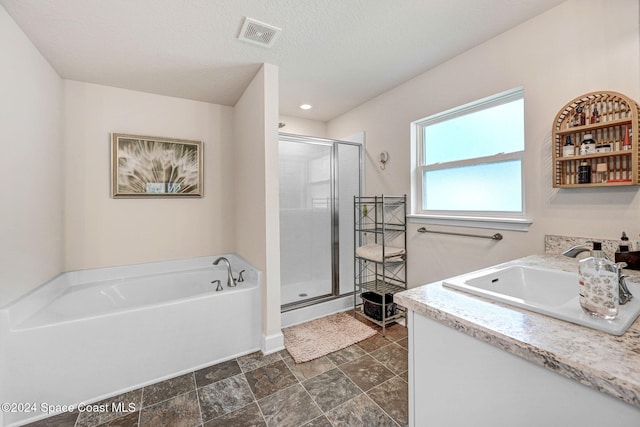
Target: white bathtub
[(87, 335)]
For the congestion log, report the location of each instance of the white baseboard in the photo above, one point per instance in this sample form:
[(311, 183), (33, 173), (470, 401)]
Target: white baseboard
[(272, 343)]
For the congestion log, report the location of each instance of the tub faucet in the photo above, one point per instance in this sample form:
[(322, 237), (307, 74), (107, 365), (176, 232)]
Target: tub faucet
[(230, 280), (624, 295)]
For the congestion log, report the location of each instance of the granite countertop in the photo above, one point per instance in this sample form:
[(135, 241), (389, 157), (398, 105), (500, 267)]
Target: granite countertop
[(605, 362)]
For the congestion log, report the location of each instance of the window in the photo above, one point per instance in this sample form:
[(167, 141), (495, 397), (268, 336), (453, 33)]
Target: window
[(469, 162)]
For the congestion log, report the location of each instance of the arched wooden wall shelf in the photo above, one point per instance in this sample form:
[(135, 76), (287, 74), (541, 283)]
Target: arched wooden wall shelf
[(606, 116)]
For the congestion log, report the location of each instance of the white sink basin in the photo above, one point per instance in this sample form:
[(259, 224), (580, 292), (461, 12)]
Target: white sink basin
[(550, 292)]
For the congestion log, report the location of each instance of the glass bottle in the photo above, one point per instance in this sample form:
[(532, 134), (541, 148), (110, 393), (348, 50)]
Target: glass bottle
[(588, 145), (579, 117), (584, 173), (568, 150), (626, 141), (598, 288)]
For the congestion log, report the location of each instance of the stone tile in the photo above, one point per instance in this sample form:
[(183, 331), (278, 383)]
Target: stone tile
[(393, 357), (367, 322), (65, 419), (346, 354), (256, 360), (221, 371), (164, 390), (130, 420), (249, 416), (331, 389), (373, 343), (404, 342), (366, 372), (306, 370), (224, 396), (291, 407), (360, 411), (180, 411), (284, 354), (114, 407), (269, 379), (393, 397), (319, 422), (396, 332), (404, 376)]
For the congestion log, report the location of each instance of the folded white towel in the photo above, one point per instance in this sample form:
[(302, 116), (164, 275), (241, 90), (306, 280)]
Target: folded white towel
[(373, 252)]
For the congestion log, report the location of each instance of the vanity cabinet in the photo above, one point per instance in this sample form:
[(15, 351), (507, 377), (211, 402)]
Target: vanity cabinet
[(611, 119), (457, 380)]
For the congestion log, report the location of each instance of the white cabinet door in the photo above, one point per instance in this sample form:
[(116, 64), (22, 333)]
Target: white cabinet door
[(457, 380)]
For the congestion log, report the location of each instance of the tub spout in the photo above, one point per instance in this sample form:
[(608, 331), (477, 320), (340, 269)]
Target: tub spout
[(230, 280)]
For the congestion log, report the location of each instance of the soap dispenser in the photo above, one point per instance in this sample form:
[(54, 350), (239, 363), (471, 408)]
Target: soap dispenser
[(598, 284), (624, 243)]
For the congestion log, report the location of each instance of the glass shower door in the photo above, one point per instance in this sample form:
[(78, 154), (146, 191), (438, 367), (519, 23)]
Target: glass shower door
[(306, 224)]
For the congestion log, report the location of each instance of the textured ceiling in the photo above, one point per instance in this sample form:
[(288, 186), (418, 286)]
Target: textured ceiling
[(333, 54)]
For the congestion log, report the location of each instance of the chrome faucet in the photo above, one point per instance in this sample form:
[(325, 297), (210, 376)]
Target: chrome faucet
[(574, 251), (230, 280), (624, 295), (623, 291)]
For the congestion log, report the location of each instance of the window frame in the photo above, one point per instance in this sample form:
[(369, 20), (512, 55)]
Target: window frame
[(504, 220)]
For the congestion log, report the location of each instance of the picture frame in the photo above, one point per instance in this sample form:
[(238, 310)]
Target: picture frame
[(150, 167)]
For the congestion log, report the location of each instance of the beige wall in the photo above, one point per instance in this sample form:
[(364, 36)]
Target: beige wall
[(31, 224), (578, 47), (256, 189), (103, 231), (305, 127)]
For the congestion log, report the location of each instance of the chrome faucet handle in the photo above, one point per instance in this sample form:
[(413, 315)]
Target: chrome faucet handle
[(241, 276), (620, 266), (219, 287)]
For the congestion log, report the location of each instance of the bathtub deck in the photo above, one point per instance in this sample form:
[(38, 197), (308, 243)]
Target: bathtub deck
[(270, 390)]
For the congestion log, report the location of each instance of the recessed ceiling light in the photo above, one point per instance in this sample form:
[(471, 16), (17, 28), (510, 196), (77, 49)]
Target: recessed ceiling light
[(305, 106)]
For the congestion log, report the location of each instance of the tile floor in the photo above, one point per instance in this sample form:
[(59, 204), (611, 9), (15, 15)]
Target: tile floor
[(362, 385)]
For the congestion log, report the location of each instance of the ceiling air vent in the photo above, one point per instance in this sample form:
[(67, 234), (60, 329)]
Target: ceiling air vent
[(259, 33)]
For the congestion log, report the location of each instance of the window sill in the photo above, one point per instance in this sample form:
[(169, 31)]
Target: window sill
[(509, 224)]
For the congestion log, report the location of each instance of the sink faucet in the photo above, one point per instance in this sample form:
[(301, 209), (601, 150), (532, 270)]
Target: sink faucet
[(623, 291), (573, 251), (230, 280)]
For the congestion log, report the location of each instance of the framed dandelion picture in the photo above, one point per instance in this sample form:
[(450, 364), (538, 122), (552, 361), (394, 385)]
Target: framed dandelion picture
[(147, 166)]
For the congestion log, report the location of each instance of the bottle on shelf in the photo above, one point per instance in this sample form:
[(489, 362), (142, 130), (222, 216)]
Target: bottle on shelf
[(595, 116), (584, 173), (626, 141), (579, 117), (568, 150), (601, 172), (588, 145)]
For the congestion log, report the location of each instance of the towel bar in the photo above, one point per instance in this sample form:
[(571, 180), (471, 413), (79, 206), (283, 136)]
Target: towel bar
[(496, 236)]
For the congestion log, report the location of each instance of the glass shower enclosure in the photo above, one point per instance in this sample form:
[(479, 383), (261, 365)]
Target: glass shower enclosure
[(318, 179)]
